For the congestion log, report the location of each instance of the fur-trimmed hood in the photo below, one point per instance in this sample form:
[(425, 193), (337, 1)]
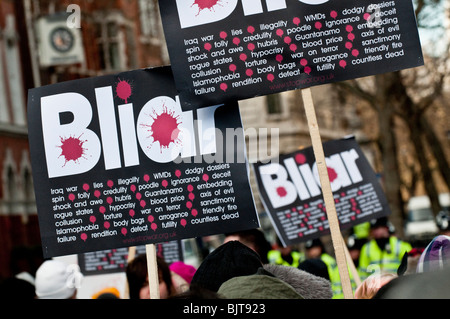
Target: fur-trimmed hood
[(306, 284)]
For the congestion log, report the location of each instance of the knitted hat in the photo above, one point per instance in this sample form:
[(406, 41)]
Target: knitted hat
[(183, 270), (54, 280), (225, 262), (257, 287), (436, 256)]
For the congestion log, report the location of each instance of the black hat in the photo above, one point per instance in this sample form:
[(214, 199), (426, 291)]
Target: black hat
[(316, 267), (380, 222), (353, 242), (316, 242), (225, 262)]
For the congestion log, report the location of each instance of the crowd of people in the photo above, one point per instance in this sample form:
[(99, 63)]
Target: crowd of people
[(247, 266)]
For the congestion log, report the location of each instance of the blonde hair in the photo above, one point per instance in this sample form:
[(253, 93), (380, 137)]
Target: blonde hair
[(370, 286)]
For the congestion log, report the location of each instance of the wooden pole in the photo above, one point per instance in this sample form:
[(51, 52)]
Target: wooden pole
[(351, 265), (152, 266), (131, 255), (333, 221)]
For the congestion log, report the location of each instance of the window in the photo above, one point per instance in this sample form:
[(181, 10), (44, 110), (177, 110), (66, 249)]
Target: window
[(107, 34), (273, 104), (149, 18)]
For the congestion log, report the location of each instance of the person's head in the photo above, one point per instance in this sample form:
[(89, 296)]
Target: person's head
[(370, 286), (316, 267), (225, 262), (436, 256), (354, 246), (379, 228), (14, 288), (57, 280), (314, 248), (443, 222), (107, 293), (183, 270), (252, 238), (137, 276)]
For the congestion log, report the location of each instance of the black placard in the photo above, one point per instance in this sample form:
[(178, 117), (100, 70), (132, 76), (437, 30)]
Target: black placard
[(117, 163), (291, 193), (116, 259), (224, 50)]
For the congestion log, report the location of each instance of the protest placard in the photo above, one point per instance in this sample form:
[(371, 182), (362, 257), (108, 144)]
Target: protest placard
[(291, 191), (232, 50), (116, 259), (117, 163)]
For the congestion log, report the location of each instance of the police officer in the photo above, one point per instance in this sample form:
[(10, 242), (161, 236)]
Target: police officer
[(285, 256), (384, 252), (316, 250), (443, 222)]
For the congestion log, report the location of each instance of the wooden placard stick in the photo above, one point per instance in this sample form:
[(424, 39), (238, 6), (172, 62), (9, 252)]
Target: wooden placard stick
[(152, 268), (131, 255), (351, 264), (333, 221)]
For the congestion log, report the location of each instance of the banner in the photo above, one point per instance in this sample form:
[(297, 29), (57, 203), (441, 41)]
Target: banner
[(224, 50), (291, 194), (117, 163), (116, 259)]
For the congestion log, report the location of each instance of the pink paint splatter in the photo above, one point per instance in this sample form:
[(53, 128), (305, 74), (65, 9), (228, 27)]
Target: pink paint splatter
[(300, 158), (223, 86), (123, 90), (332, 174), (281, 191), (205, 4), (72, 149), (165, 128)]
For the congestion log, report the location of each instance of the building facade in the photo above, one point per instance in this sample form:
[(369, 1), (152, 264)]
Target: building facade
[(48, 41)]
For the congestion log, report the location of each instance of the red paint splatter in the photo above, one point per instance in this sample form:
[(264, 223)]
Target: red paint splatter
[(300, 158), (281, 191), (165, 128), (205, 4), (123, 90), (332, 174), (72, 149)]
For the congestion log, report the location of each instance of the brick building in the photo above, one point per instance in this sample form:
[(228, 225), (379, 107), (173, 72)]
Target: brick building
[(105, 36), (48, 41)]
